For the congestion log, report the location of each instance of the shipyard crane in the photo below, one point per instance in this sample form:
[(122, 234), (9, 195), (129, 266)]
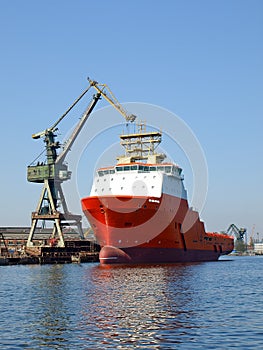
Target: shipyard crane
[(239, 233), (54, 171), (251, 240)]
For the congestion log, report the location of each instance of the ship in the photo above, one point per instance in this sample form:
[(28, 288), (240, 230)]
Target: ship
[(139, 212)]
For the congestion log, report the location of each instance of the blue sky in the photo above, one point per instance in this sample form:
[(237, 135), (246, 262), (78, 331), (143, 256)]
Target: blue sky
[(201, 60)]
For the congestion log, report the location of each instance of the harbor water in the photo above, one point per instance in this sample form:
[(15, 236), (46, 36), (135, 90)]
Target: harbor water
[(210, 305)]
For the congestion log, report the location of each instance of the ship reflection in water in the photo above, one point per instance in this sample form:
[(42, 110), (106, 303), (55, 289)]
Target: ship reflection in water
[(140, 305), (210, 305)]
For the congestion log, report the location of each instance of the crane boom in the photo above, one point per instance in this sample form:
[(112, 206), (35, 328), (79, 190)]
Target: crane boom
[(77, 129), (54, 166), (111, 99), (101, 90)]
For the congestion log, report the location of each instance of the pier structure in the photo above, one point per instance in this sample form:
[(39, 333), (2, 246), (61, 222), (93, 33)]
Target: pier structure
[(13, 249)]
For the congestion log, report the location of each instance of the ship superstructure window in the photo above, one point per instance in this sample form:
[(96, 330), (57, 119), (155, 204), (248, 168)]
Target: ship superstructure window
[(106, 172), (167, 169), (126, 168), (176, 170), (143, 168)]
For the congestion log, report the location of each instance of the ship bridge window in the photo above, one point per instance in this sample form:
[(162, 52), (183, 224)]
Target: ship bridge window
[(134, 167), (126, 168), (106, 172), (167, 168), (176, 170), (152, 168), (144, 168)]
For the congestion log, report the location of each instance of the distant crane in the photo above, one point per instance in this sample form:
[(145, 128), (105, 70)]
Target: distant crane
[(54, 171), (251, 240), (239, 233)]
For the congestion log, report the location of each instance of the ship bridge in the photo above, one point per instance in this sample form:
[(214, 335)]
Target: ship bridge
[(167, 168), (140, 171), (140, 180)]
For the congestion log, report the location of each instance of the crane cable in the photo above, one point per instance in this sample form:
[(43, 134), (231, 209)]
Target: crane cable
[(70, 108), (37, 157)]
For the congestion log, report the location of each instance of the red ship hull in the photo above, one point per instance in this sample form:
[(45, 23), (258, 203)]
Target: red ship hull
[(151, 230), (138, 255)]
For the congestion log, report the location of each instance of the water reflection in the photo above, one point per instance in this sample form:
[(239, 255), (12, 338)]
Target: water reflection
[(195, 306), (51, 319), (139, 305)]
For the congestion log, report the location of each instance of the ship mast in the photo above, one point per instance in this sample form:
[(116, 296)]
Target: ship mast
[(141, 146)]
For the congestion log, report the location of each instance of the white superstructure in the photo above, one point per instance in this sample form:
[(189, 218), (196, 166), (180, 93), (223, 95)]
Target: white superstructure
[(258, 248), (139, 180)]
